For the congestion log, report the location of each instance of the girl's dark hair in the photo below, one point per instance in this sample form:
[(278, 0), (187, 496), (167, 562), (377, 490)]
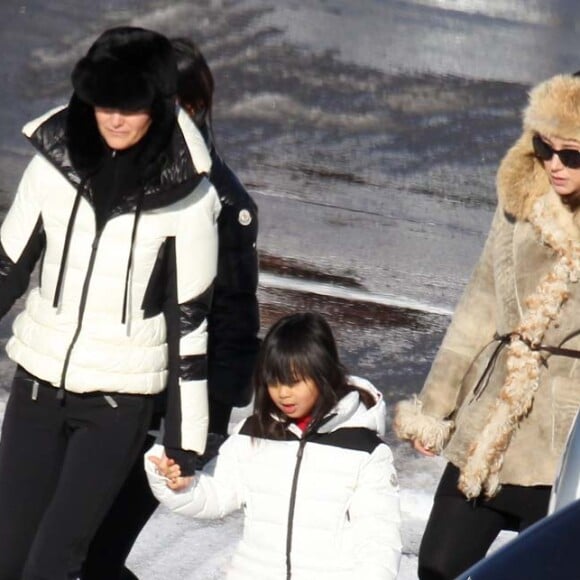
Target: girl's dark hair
[(298, 346), (195, 84)]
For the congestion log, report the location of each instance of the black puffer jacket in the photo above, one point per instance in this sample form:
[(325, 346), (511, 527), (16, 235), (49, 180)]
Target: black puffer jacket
[(234, 317)]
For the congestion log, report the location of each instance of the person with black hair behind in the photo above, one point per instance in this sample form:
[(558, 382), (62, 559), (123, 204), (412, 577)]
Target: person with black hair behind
[(233, 323), (117, 203), (234, 319)]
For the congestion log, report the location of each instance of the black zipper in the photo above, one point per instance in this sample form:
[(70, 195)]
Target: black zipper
[(99, 227), (82, 306), (291, 509)]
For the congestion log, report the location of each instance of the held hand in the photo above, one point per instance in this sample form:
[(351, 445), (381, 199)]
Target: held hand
[(171, 471), (423, 450)]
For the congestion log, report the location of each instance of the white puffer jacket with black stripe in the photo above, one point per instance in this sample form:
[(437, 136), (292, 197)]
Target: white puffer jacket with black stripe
[(106, 332), (345, 523)]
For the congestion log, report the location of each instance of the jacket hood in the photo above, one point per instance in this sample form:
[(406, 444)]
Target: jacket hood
[(87, 149), (350, 411), (184, 160)]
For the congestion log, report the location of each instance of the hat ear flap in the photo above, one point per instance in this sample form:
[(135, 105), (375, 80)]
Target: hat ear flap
[(84, 143), (163, 124)]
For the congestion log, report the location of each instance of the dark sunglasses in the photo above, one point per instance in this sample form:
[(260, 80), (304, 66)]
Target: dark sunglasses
[(569, 157)]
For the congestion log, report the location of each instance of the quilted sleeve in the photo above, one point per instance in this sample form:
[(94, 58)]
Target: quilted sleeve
[(22, 237), (193, 265)]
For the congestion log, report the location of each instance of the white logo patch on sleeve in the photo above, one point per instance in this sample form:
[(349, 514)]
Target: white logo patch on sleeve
[(245, 217)]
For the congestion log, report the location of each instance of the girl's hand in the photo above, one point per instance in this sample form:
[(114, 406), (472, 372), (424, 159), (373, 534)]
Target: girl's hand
[(423, 450), (171, 471)]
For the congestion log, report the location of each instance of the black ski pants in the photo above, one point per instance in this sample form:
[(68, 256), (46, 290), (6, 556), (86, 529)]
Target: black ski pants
[(132, 509), (459, 532), (63, 459)]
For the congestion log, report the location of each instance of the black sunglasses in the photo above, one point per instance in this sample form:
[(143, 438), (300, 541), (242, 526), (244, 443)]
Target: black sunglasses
[(569, 157)]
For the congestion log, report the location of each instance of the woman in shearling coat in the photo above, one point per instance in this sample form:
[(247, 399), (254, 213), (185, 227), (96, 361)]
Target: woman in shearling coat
[(505, 384)]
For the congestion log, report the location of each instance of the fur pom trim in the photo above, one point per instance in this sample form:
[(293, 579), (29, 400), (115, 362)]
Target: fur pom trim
[(410, 423)]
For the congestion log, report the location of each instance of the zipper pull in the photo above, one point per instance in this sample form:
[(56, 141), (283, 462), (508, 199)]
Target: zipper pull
[(111, 401), (301, 448)]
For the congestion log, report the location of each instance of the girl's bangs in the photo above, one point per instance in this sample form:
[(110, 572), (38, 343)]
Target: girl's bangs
[(287, 369)]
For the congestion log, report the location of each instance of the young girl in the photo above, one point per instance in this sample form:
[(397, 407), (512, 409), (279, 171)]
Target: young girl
[(316, 481)]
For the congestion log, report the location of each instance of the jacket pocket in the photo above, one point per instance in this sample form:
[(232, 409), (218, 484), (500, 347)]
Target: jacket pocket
[(565, 403)]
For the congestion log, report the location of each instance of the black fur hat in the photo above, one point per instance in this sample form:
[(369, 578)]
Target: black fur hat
[(130, 69), (126, 68)]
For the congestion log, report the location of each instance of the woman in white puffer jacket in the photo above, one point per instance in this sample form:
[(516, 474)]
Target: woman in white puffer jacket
[(309, 468), (117, 212)]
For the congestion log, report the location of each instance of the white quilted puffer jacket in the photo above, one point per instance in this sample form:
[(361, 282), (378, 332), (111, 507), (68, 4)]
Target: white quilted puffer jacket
[(320, 507)]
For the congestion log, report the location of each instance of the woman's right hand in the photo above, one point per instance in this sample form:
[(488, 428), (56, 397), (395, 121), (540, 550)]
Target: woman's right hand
[(423, 450)]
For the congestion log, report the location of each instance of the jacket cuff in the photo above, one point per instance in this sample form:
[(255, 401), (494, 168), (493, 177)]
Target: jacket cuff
[(185, 459), (410, 423)]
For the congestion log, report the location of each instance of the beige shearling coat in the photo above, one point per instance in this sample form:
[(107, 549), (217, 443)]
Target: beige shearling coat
[(525, 285)]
